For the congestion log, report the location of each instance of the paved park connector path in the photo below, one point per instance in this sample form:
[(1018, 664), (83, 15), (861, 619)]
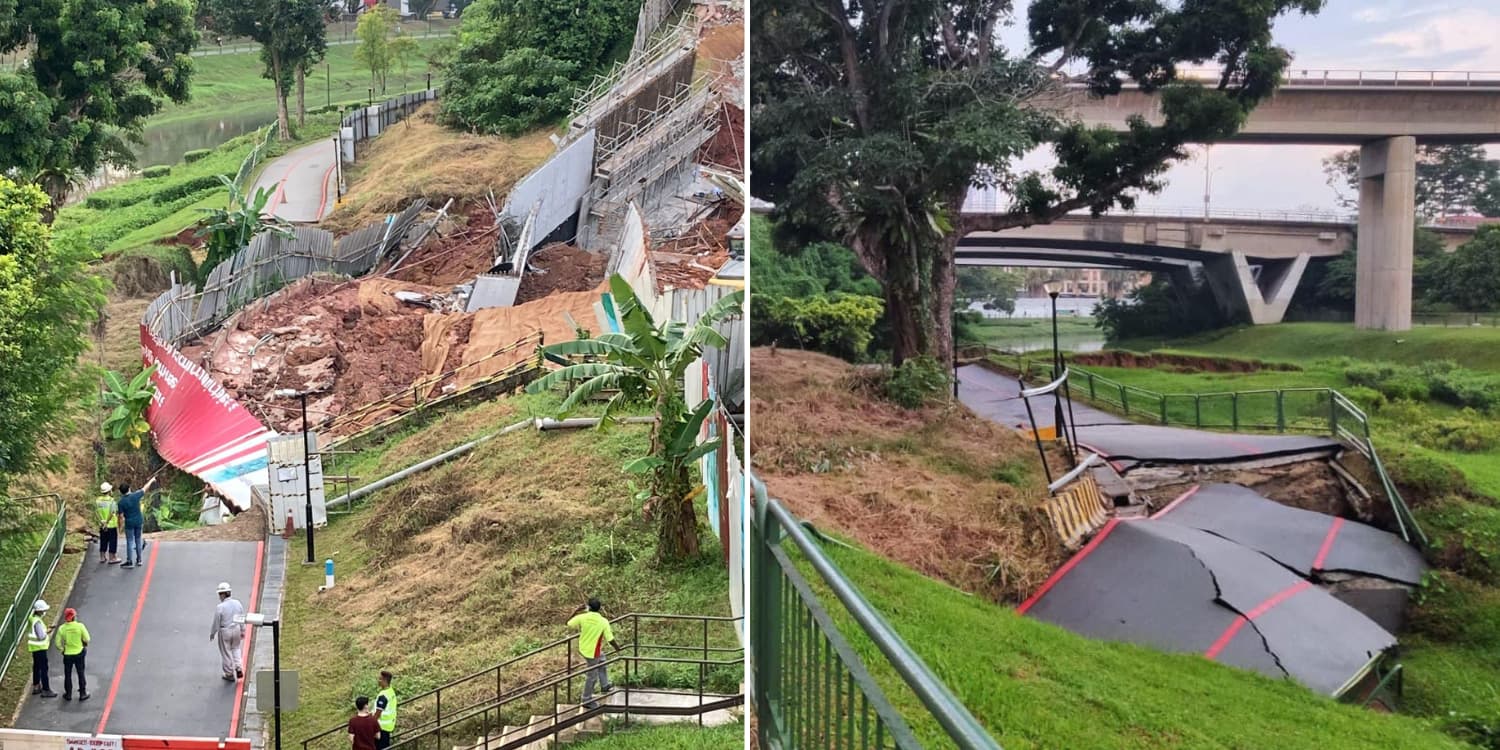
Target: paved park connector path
[(150, 666), (302, 183)]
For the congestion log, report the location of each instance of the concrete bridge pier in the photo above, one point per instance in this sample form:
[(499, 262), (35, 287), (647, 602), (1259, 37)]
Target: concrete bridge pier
[(1262, 298), (1387, 221)]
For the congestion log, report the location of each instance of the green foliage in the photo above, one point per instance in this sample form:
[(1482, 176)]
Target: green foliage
[(917, 382), (230, 229), (1157, 310), (791, 269), (1437, 380), (1468, 279), (95, 71), (521, 91), (1329, 285), (646, 364), (874, 119), (994, 288), (1452, 179), (1465, 536), (517, 62), (194, 188), (160, 170), (1421, 472), (375, 48), (290, 34), (47, 302), (126, 402), (188, 157), (1466, 432), (840, 324)]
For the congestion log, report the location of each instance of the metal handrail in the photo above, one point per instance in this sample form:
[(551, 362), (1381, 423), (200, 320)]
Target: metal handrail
[(773, 521), (12, 627), (456, 715)]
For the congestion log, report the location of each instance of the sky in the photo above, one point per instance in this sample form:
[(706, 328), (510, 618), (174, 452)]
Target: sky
[(1347, 34)]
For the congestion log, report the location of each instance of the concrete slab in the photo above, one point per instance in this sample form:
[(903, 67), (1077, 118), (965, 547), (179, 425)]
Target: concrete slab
[(671, 699), (151, 668)]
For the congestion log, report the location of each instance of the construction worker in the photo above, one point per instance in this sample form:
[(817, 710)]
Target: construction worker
[(593, 631), (108, 513), (229, 628), (73, 642), (385, 711), (37, 642)]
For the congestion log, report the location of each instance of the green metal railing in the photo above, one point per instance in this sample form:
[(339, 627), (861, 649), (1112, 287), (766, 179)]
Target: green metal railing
[(35, 582), (810, 688), (1279, 410)]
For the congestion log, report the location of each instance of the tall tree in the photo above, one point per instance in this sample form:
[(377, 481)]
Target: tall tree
[(1452, 180), (47, 300), (372, 47), (874, 118), (95, 71), (288, 31)]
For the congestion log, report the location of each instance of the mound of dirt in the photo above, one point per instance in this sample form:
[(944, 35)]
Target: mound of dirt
[(925, 488), (1176, 362), (560, 268), (726, 149), (462, 248)]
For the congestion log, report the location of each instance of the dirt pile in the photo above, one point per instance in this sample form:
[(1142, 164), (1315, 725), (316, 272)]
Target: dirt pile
[(726, 149), (462, 247), (689, 261), (560, 267), (941, 490)]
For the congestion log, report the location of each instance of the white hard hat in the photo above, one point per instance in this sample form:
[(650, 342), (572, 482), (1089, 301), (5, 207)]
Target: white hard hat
[(104, 487), (224, 587), (40, 606)]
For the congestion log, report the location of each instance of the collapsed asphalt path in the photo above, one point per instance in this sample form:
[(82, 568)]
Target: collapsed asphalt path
[(150, 666), (302, 183)]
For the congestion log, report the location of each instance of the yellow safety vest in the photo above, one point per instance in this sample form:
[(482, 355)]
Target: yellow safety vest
[(31, 643), (387, 718), (104, 507)]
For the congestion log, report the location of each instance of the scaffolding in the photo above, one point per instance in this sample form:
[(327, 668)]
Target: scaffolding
[(670, 56)]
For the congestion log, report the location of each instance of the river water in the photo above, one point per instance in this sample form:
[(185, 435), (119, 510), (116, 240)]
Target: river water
[(165, 143)]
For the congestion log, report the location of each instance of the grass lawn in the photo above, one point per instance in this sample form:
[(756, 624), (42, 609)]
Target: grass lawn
[(484, 558), (18, 675), (1036, 333), (231, 84), (1034, 685), (1475, 348), (668, 737)]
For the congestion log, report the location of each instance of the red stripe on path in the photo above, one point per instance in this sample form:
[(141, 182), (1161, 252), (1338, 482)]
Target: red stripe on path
[(254, 606), (1333, 531), (1260, 609), (1069, 565), (135, 620), (1175, 503)]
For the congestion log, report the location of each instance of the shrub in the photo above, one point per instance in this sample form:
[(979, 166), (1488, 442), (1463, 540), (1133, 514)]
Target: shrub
[(840, 324), (917, 382), (188, 157), (523, 90), (1465, 432), (160, 170), (203, 184), (1368, 399), (1465, 538)]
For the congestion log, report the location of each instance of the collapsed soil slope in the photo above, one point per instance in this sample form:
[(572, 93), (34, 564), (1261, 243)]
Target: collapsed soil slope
[(941, 490)]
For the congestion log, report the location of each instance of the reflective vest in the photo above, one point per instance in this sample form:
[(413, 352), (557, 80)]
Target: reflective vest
[(387, 718), (71, 637), (104, 507), (31, 643)]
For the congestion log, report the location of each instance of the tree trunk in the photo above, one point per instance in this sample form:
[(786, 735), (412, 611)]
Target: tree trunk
[(283, 122), (301, 102), (677, 524)]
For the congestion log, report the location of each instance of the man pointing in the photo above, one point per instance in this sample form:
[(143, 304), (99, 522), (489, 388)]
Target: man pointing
[(229, 628)]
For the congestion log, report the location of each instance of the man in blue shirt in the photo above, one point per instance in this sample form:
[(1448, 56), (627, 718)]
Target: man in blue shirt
[(132, 520)]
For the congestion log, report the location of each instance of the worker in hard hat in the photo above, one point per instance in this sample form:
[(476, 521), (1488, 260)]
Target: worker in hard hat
[(37, 642), (107, 511), (73, 641), (229, 628)]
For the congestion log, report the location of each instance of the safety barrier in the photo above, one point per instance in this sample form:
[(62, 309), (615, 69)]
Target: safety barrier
[(545, 681), (811, 689), (28, 739), (1076, 507), (35, 582), (364, 123), (253, 159), (1280, 410)]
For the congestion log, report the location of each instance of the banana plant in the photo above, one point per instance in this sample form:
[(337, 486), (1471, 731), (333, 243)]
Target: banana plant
[(645, 364), (127, 402), (227, 230)]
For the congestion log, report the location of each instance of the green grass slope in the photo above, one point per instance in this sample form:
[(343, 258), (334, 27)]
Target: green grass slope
[(1037, 686), (458, 568), (1476, 348)]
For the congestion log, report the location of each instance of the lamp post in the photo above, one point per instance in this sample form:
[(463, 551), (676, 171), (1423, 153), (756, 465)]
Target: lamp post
[(306, 465), (259, 620), (1054, 288)]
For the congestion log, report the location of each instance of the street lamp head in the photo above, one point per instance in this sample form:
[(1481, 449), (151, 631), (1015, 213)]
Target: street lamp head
[(255, 618), (286, 393), (1053, 287)]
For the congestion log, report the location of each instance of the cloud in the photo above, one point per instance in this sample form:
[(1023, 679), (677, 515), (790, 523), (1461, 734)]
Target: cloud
[(1460, 39), (1401, 10)]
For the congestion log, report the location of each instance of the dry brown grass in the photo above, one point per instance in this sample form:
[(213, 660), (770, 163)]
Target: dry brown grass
[(941, 490), (420, 158)]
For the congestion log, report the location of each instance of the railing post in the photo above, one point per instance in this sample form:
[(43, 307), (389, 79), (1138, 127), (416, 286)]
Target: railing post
[(1163, 408), (1234, 411), (1091, 384), (1124, 400), (766, 599), (1280, 411), (1197, 411)]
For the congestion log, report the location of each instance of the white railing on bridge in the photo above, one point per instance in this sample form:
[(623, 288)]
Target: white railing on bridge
[(1337, 77), (984, 203)]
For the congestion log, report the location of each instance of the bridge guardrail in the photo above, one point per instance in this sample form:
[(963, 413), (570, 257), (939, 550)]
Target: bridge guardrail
[(35, 582), (810, 688), (1279, 410)]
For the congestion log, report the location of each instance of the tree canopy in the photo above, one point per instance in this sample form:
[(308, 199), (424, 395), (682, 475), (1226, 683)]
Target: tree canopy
[(1452, 180), (96, 70), (517, 62), (290, 34), (47, 300), (874, 118)]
